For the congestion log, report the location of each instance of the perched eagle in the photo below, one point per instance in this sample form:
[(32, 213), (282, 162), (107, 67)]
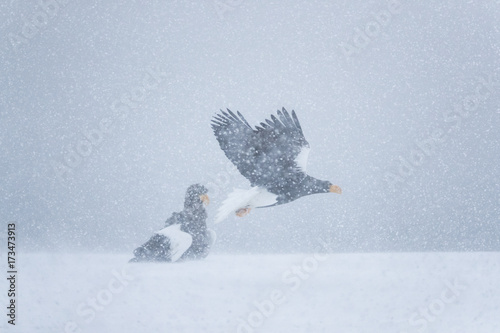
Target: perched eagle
[(185, 234), (273, 157)]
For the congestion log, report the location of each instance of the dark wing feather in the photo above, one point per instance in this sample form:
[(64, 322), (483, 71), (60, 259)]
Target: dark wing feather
[(265, 156), (236, 138)]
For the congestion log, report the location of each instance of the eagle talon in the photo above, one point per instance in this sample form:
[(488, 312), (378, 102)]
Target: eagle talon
[(243, 212)]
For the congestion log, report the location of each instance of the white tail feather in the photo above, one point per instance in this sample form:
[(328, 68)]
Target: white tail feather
[(235, 200), (254, 197)]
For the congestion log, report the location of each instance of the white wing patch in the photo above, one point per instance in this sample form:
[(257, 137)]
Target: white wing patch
[(180, 241), (301, 159)]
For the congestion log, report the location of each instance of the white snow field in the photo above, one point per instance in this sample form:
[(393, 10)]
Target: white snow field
[(381, 292)]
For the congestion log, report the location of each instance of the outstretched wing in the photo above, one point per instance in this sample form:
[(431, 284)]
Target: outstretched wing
[(272, 154)]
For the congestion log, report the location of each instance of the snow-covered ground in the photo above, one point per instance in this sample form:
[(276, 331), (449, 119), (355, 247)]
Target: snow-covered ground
[(387, 292)]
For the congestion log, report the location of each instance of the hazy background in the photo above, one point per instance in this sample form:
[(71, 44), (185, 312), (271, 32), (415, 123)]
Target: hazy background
[(360, 112)]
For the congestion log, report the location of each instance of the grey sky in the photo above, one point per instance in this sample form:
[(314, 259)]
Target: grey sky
[(131, 88)]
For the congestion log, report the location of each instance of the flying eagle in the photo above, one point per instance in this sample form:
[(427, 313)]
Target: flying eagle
[(273, 157)]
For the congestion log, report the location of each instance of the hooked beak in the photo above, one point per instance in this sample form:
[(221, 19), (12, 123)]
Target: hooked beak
[(335, 189), (205, 199)]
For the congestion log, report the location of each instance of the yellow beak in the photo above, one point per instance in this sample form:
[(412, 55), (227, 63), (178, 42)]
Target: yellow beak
[(335, 189), (205, 199)]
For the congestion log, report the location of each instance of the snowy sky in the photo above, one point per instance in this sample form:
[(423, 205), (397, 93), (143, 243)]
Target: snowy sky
[(105, 112)]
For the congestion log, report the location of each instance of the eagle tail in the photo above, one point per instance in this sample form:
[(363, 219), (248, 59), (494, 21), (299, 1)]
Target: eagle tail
[(241, 199)]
